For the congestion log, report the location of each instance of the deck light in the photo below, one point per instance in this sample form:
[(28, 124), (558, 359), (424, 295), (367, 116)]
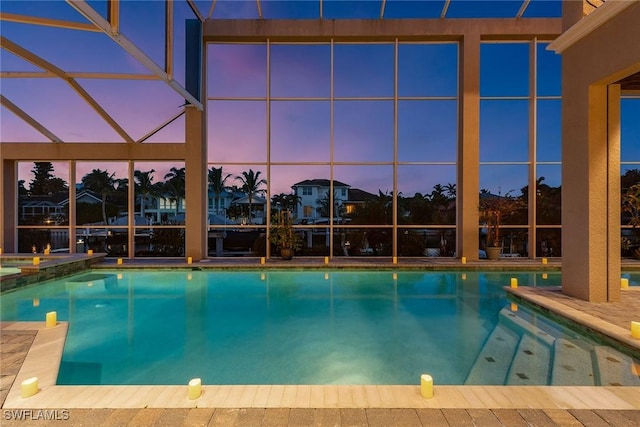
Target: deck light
[(544, 261), (36, 260), (195, 388), (262, 260), (635, 330), (51, 319), (624, 283), (90, 252), (395, 259), (189, 260), (426, 386), (514, 282), (326, 260), (29, 387), (514, 307), (119, 261), (463, 260)]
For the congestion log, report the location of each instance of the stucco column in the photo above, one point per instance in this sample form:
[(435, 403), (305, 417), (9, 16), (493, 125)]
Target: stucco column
[(468, 169), (590, 191), (9, 198), (196, 185), (613, 193)]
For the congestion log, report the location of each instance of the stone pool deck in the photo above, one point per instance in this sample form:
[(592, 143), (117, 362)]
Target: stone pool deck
[(29, 349)]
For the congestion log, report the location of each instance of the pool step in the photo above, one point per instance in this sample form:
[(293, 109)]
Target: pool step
[(531, 363), (615, 368), (519, 352), (572, 363), (493, 362), (524, 324)]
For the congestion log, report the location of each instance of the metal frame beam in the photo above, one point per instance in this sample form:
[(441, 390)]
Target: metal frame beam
[(445, 8), (523, 8), (35, 20), (162, 126), (113, 10), (47, 66), (76, 75), (28, 119), (88, 12)]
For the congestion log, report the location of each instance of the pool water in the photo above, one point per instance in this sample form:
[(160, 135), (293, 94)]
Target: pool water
[(311, 327)]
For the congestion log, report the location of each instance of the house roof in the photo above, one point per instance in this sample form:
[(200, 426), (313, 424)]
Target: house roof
[(357, 195), (320, 182)]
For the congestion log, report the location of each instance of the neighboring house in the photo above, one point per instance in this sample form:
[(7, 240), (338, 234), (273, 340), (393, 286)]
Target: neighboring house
[(357, 198), (311, 191), (258, 207), (219, 203), (52, 207)]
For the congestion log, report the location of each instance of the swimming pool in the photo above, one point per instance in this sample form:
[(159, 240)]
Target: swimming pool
[(310, 327), (12, 266)]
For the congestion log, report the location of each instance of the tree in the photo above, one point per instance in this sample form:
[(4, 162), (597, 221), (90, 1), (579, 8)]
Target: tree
[(22, 191), (175, 187), (145, 187), (102, 183), (251, 183), (287, 202), (44, 182), (217, 183), (324, 205)]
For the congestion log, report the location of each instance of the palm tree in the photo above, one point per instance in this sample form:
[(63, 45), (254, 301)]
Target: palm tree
[(288, 202), (175, 186), (145, 187), (100, 182), (217, 183), (251, 184)]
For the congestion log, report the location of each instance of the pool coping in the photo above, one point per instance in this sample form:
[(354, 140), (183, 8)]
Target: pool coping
[(43, 360)]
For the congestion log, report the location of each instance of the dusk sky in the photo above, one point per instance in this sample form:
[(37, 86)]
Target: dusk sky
[(300, 90)]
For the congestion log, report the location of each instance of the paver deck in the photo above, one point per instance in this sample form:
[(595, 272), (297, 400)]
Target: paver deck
[(26, 350)]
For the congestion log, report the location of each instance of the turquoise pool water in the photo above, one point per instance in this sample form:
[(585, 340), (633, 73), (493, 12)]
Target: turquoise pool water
[(310, 327)]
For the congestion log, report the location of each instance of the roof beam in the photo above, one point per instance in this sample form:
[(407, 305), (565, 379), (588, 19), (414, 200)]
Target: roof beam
[(27, 118), (113, 10), (259, 9), (195, 10), (382, 6), (88, 12), (162, 126), (445, 7), (523, 8), (76, 75), (27, 75), (47, 66), (23, 19), (168, 38), (213, 6), (367, 30)]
